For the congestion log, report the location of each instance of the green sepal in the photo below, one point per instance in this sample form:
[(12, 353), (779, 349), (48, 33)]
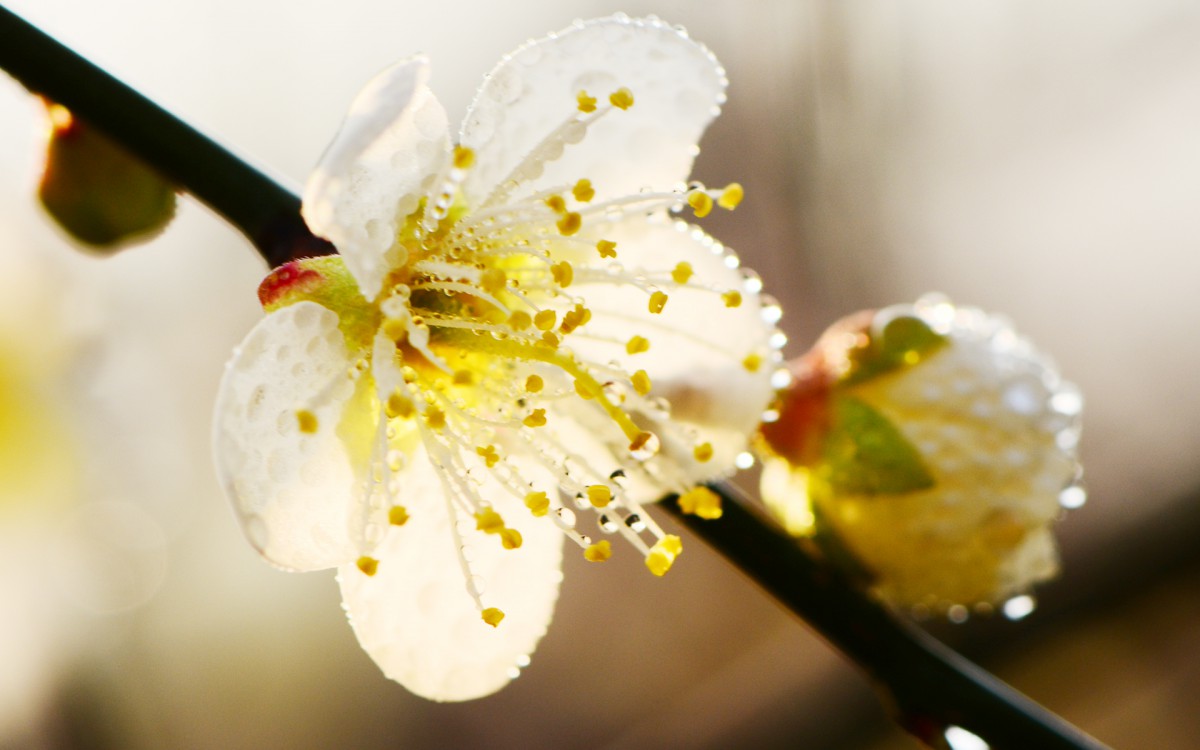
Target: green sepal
[(864, 454), (903, 342)]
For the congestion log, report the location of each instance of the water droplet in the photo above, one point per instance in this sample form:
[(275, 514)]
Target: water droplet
[(1068, 401), (772, 311), (1019, 607), (256, 531), (1072, 497), (751, 281), (564, 518), (781, 378), (957, 614), (777, 340), (743, 460), (635, 522), (647, 448), (960, 739), (606, 524)]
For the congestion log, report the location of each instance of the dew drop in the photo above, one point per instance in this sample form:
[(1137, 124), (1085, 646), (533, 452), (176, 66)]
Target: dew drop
[(606, 524), (635, 522), (957, 614), (564, 518), (1019, 607), (1072, 497), (649, 446), (743, 460)]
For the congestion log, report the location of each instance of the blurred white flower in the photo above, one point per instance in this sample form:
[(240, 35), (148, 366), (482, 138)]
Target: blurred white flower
[(516, 329), (936, 447)]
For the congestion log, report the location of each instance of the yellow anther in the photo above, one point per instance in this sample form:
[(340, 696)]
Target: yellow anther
[(637, 345), (733, 298), (586, 103), (682, 272), (534, 383), (489, 455), (658, 301), (489, 521), (545, 320), (569, 224), (752, 362), (520, 320), (435, 418), (575, 318), (493, 280), (622, 98), (464, 157), (563, 273), (583, 191), (607, 249), (731, 196), (703, 452), (536, 418), (307, 421), (702, 502), (550, 339), (557, 204), (397, 515), (396, 330), (367, 565), (701, 203), (399, 405), (599, 495), (510, 538), (538, 503), (662, 555), (641, 382), (492, 616), (598, 552), (464, 377)]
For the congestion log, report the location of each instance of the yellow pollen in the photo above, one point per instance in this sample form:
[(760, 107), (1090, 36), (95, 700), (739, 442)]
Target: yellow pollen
[(536, 418), (662, 555), (563, 273), (464, 377), (637, 345), (569, 224), (752, 362), (598, 552), (622, 98), (398, 515), (538, 503), (550, 339), (493, 280), (534, 383), (731, 196), (733, 298), (307, 421), (520, 320), (575, 318), (489, 455), (510, 539), (702, 502), (586, 103), (599, 495), (701, 202), (583, 191), (464, 157), (367, 565), (557, 204), (492, 616), (641, 382), (489, 521), (545, 320), (396, 330), (658, 301), (399, 405), (435, 418), (607, 249), (703, 452), (682, 272)]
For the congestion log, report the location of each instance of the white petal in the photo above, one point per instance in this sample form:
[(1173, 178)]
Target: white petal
[(415, 617), (698, 345), (292, 491), (677, 85), (394, 139)]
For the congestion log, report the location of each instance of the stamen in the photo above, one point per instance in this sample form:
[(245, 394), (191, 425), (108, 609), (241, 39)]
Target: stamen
[(637, 345), (598, 552), (641, 382), (587, 104), (663, 554), (583, 191), (368, 565), (701, 202), (622, 98), (307, 421), (682, 272), (398, 515), (701, 502), (658, 301), (538, 503), (607, 249), (492, 616), (731, 196)]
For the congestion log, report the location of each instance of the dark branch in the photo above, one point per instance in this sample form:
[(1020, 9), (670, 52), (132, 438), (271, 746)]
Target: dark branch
[(929, 686)]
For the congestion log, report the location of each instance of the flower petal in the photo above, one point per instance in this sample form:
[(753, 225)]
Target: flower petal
[(292, 491), (677, 84), (712, 362), (394, 139), (415, 617)]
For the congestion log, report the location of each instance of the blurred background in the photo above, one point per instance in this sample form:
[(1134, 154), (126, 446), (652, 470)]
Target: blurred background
[(1040, 160)]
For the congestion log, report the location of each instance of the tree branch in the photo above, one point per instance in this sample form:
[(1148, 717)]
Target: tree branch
[(929, 686)]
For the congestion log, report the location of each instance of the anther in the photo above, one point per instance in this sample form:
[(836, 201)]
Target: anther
[(569, 224), (557, 204), (563, 273), (733, 298), (703, 452), (658, 300), (622, 98), (534, 383), (520, 320), (641, 382), (368, 565), (510, 538), (489, 455), (682, 272), (607, 249), (662, 555), (637, 345), (598, 552), (586, 103), (731, 196), (752, 362), (545, 320), (464, 157), (397, 515), (492, 616), (489, 521), (536, 418), (701, 502), (307, 421), (701, 203), (583, 191), (538, 503), (599, 495)]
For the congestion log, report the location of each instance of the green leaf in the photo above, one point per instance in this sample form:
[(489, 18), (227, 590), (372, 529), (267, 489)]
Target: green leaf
[(99, 193), (903, 342), (865, 454)]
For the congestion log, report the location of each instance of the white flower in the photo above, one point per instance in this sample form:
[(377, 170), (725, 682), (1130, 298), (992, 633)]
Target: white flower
[(516, 331), (933, 444)]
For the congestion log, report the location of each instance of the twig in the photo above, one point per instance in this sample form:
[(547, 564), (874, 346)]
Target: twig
[(929, 686)]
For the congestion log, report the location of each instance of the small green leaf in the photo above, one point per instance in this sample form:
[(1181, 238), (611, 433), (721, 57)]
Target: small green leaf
[(99, 193), (903, 342), (866, 455)]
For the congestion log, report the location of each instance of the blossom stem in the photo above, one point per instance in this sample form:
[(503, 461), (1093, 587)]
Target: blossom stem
[(930, 686), (267, 213)]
